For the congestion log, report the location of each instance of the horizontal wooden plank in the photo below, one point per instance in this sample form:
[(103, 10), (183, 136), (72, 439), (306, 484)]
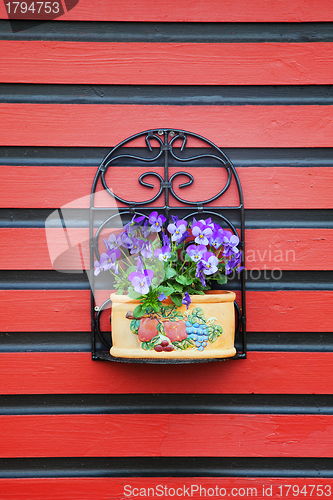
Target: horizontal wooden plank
[(264, 188), (158, 435), (260, 373), (226, 126), (69, 310), (55, 248), (166, 63), (129, 487), (183, 11)]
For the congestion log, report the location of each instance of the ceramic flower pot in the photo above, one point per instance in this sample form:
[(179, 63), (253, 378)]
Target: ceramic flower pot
[(203, 331)]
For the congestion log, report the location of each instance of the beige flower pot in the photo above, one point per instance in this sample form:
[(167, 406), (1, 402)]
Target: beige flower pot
[(205, 331)]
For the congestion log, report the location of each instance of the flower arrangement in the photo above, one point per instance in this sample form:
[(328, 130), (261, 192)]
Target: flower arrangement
[(150, 262)]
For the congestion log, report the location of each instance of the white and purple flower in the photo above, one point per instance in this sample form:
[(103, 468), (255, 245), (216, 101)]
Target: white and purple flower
[(163, 254), (202, 233), (196, 252), (209, 263), (177, 230), (141, 282), (230, 245), (157, 222)]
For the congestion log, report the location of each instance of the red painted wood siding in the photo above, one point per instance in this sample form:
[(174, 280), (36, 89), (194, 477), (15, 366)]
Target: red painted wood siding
[(264, 187), (227, 126), (212, 11), (263, 373), (167, 63), (35, 304)]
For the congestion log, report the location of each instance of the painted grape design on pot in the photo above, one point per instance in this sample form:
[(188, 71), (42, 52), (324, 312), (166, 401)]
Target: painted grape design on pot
[(198, 333), (171, 330)]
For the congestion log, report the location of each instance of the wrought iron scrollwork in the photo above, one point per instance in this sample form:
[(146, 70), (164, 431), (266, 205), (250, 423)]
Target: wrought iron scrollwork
[(168, 149)]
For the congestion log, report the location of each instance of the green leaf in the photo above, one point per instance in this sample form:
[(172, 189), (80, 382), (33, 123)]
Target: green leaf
[(222, 281), (176, 299), (138, 311), (170, 273), (167, 290), (155, 307), (183, 280), (178, 287), (134, 295)]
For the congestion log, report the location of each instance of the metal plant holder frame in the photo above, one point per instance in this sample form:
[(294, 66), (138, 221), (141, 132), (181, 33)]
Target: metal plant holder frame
[(164, 144)]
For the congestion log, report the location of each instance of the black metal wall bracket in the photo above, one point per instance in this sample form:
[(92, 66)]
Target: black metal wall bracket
[(166, 150)]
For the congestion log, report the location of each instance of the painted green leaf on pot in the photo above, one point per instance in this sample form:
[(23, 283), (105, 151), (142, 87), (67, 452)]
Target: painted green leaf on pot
[(134, 326), (184, 344), (197, 316), (214, 332)]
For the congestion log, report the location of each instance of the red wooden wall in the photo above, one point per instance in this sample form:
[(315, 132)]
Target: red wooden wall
[(255, 78)]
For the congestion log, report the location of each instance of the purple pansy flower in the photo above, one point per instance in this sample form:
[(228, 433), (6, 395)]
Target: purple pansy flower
[(165, 240), (138, 219), (161, 296), (199, 273), (98, 267), (145, 229), (111, 242), (125, 240), (209, 263), (196, 252), (201, 232), (186, 300), (177, 230), (136, 245), (163, 254), (230, 245), (141, 282), (183, 238), (231, 264), (146, 250), (108, 259), (157, 222), (216, 238), (139, 265)]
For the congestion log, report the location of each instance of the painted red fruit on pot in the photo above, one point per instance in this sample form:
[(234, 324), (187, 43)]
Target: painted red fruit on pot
[(147, 329), (168, 348), (175, 330)]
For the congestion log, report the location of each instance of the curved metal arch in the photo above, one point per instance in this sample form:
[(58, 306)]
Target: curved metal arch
[(167, 146), (98, 328), (227, 221), (170, 136)]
